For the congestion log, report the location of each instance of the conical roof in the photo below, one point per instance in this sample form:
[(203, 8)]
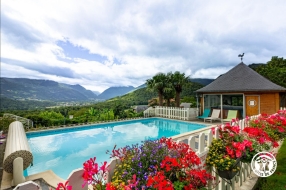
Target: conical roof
[(241, 78)]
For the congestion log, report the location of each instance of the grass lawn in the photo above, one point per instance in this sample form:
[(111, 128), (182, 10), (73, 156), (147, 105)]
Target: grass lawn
[(277, 180)]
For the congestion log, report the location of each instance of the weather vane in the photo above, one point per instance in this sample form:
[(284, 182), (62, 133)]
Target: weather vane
[(241, 56)]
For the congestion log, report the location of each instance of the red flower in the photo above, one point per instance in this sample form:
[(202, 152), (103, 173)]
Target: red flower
[(238, 145), (238, 154), (109, 186), (275, 144), (65, 186), (159, 182), (230, 152), (168, 163)]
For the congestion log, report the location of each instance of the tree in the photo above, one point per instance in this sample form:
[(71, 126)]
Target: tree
[(51, 115), (158, 83), (4, 123), (179, 80), (275, 71), (169, 91)]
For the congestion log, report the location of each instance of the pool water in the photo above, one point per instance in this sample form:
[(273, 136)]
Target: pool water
[(67, 149)]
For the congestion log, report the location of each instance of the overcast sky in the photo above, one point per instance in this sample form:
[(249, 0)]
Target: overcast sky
[(99, 44)]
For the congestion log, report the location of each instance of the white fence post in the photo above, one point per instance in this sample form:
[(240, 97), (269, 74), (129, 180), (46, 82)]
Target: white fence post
[(171, 112)]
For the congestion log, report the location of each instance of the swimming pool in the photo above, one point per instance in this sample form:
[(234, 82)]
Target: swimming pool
[(66, 149)]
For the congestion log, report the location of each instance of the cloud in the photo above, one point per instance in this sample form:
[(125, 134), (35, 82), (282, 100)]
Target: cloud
[(41, 68), (99, 44), (19, 34)]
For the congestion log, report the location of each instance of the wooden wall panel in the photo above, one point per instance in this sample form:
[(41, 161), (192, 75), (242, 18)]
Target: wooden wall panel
[(277, 98), (268, 103)]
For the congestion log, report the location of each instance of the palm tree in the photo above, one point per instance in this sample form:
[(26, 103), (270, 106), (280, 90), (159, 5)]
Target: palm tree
[(169, 91), (168, 94), (158, 83), (179, 80)]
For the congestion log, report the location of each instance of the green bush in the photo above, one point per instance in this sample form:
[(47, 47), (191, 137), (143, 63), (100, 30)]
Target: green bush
[(4, 123)]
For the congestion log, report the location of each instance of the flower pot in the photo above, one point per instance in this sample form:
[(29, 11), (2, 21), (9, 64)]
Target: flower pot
[(229, 174)]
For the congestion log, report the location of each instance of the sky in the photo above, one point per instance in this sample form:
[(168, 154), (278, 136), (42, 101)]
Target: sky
[(100, 44)]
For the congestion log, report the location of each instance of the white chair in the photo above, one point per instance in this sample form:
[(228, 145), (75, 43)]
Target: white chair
[(214, 116)]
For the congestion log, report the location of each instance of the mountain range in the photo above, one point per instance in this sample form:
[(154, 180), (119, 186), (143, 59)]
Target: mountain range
[(34, 89), (115, 91)]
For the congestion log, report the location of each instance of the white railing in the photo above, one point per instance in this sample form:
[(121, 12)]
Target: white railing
[(282, 108), (26, 122), (172, 112), (150, 112)]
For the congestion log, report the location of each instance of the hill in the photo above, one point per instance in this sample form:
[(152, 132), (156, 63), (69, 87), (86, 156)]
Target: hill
[(254, 66), (142, 95), (202, 81), (32, 89), (115, 91), (9, 104)]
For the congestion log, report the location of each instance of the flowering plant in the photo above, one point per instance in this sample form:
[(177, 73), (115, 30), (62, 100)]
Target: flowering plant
[(264, 132), (63, 186), (93, 174), (225, 152), (260, 135), (260, 141), (274, 125), (159, 164)]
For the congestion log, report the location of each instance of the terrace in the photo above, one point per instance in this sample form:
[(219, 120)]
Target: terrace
[(199, 140)]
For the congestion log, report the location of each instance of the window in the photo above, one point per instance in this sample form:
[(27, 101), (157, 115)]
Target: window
[(232, 100), (211, 101), (229, 102)]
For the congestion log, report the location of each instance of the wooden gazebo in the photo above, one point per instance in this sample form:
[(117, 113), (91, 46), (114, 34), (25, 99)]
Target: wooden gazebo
[(242, 89)]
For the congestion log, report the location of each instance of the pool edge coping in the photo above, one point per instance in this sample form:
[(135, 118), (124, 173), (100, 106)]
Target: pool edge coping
[(118, 121)]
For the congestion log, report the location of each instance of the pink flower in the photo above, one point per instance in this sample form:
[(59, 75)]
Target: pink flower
[(238, 153), (281, 130), (213, 130), (236, 129), (261, 140)]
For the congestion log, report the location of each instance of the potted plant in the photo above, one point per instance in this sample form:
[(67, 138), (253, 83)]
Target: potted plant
[(218, 158), (225, 153)]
